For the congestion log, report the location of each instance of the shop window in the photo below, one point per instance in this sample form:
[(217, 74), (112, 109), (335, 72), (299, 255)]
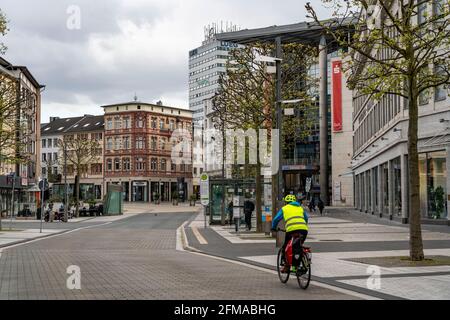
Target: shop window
[(385, 186), (397, 184)]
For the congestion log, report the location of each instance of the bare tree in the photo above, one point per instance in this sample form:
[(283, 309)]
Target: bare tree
[(81, 153), (397, 47), (246, 99)]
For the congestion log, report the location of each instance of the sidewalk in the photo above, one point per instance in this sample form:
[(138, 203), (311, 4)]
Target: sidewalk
[(161, 208), (334, 240), (17, 236)]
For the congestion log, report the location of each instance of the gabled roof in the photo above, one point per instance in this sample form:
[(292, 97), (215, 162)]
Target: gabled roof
[(61, 126), (7, 65), (88, 123)]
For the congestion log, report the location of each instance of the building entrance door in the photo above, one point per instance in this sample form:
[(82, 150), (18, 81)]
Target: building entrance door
[(140, 191)]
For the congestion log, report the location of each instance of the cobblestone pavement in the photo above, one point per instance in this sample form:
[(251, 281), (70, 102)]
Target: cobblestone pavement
[(135, 259)]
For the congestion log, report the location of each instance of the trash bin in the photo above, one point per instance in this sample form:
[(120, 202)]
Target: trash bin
[(38, 214)]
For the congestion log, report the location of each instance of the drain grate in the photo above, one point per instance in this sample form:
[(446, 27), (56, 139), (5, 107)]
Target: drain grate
[(332, 240)]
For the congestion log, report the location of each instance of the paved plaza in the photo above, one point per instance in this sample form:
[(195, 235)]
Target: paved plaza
[(136, 258), (335, 240)]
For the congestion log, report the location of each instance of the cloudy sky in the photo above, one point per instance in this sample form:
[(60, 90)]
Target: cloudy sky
[(123, 46)]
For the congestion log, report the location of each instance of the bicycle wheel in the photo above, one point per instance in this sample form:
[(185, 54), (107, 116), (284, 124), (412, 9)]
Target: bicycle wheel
[(284, 277), (304, 278)]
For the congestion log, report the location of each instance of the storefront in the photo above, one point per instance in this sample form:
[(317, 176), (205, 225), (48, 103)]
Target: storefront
[(433, 184), (140, 191), (387, 185)]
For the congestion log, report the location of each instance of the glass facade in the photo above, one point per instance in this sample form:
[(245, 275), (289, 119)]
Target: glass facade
[(397, 184), (433, 187), (385, 187), (433, 184)]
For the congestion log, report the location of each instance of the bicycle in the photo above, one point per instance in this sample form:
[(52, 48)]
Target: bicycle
[(302, 272)]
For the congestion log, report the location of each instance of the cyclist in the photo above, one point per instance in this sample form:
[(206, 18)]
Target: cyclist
[(296, 220)]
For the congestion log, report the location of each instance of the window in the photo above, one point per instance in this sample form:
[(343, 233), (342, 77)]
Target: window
[(440, 92), (44, 157), (140, 164), (422, 14), (154, 164), (109, 144), (49, 143), (97, 136), (109, 164), (55, 156), (153, 123), (117, 144), (140, 143), (44, 171), (183, 167), (140, 122), (173, 167), (44, 143), (163, 165), (195, 171), (55, 142), (117, 123), (126, 143), (109, 124), (438, 7), (117, 164), (163, 143), (172, 125), (126, 123), (96, 168), (126, 164), (161, 124), (154, 143)]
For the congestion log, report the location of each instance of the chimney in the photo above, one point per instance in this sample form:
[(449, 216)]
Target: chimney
[(54, 119), (159, 103)]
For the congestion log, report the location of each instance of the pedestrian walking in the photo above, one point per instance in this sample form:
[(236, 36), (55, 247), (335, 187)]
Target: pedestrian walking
[(321, 206), (230, 212), (249, 207), (312, 205)]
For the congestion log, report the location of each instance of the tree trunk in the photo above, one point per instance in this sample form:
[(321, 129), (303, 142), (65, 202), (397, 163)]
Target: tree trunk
[(77, 196), (416, 243)]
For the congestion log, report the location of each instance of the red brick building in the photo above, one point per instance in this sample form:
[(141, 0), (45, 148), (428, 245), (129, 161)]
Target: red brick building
[(138, 149)]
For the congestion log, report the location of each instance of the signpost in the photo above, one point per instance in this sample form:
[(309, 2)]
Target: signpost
[(204, 192), (43, 186)]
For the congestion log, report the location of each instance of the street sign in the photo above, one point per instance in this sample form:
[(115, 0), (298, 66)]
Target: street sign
[(204, 189), (43, 185)]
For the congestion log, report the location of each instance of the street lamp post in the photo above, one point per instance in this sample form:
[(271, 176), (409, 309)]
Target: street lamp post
[(66, 191), (13, 175)]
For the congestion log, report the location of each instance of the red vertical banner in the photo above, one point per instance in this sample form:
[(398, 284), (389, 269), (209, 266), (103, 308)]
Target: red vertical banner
[(337, 95)]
